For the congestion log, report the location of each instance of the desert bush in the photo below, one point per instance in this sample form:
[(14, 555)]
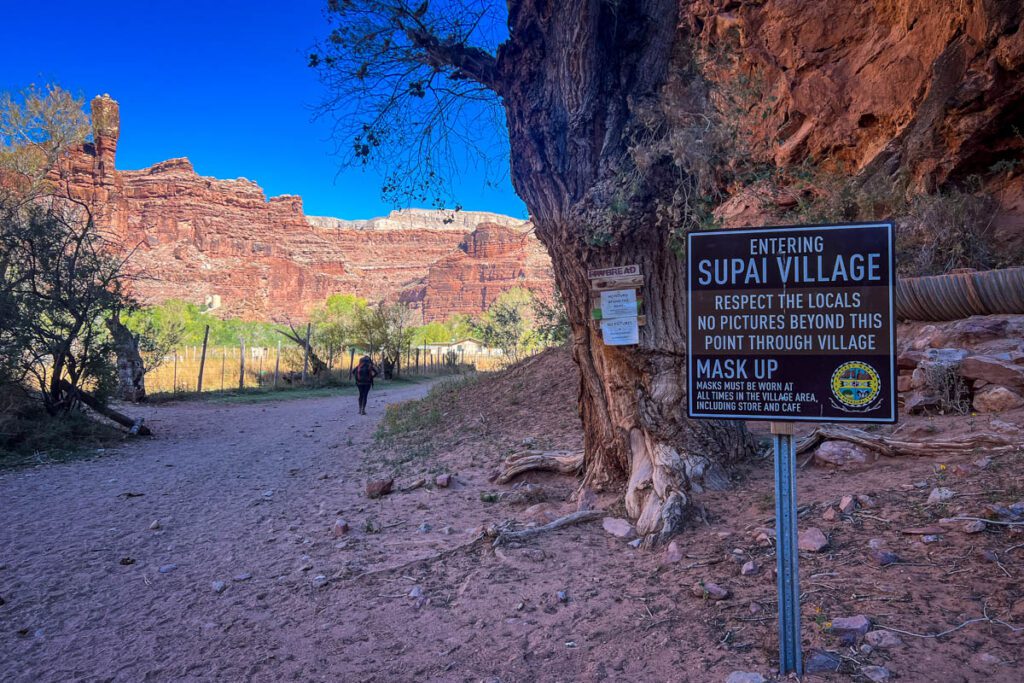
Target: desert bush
[(944, 381), (946, 231)]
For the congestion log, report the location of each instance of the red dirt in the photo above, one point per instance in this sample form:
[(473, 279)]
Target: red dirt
[(74, 612)]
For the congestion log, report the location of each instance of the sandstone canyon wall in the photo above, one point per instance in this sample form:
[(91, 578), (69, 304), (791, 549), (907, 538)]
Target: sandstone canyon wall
[(207, 240), (892, 99)]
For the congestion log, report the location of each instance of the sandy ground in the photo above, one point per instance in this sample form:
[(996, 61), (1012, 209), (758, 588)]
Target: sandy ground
[(236, 490), (408, 595)]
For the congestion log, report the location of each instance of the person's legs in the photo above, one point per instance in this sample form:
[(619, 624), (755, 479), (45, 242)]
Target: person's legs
[(364, 392)]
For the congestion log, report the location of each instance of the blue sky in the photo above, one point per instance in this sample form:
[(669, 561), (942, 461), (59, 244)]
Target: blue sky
[(223, 82)]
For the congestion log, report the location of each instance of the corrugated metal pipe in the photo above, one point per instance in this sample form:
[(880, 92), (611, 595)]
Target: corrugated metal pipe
[(960, 295)]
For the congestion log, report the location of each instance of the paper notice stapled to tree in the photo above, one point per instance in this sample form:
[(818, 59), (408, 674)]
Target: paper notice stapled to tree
[(620, 331), (619, 303)]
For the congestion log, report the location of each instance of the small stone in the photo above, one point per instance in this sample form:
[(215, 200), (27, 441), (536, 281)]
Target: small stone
[(842, 454), (755, 608), (876, 543), (562, 596), (305, 563), (876, 674), (710, 591), (931, 538), (319, 581), (673, 553), (750, 568), (155, 525), (920, 484), (884, 558), (940, 495), (340, 528), (974, 527), (865, 649), (830, 514), (982, 463), (219, 586), (988, 556), (764, 539), (847, 504), (822, 662), (882, 639), (866, 501), (856, 626), (997, 399), (447, 531), (269, 493), (635, 543), (812, 540), (744, 677), (375, 488), (423, 528), (168, 568), (416, 592), (618, 527), (443, 481), (988, 659), (244, 576)]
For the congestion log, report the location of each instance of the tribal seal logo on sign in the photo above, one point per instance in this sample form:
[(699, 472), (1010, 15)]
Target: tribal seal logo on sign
[(856, 385)]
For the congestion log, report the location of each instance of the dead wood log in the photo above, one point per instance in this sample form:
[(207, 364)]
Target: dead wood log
[(504, 536), (565, 462), (134, 426), (888, 446)]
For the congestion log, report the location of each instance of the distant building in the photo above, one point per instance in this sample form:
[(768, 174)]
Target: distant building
[(467, 346)]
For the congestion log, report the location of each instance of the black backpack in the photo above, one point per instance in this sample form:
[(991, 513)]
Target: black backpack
[(364, 373)]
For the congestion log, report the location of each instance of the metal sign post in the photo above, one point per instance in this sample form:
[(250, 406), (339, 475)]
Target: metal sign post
[(791, 324), (787, 561)]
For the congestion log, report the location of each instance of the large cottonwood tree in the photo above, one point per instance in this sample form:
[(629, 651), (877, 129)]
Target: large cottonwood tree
[(603, 113)]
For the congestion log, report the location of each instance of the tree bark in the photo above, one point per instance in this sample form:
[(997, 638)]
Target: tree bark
[(588, 87), (131, 370)]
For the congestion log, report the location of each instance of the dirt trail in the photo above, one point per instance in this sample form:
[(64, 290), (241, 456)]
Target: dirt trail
[(255, 489), (236, 490)]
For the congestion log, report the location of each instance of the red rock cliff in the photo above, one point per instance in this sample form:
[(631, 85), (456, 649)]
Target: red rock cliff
[(223, 242), (914, 96)]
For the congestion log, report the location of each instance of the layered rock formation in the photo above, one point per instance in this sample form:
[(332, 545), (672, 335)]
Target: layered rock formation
[(222, 242), (902, 96)]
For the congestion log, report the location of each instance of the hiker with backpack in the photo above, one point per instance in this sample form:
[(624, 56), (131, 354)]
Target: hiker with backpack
[(364, 374)]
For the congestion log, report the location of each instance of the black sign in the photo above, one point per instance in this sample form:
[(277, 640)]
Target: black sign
[(792, 324)]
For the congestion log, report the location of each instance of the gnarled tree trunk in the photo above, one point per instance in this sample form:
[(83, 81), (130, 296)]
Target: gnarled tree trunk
[(585, 86), (131, 370)]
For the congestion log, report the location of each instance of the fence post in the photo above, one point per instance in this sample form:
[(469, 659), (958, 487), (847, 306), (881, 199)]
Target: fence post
[(202, 361), (305, 355), (241, 364), (277, 363), (417, 360), (351, 360), (174, 386)]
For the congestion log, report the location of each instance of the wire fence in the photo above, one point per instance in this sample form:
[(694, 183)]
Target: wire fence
[(227, 368)]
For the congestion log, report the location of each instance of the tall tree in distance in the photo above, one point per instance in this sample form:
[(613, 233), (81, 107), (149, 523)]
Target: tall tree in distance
[(385, 329), (584, 87)]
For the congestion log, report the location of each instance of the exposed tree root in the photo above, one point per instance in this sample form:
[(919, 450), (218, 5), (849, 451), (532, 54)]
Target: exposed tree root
[(503, 536), (428, 558), (985, 441), (565, 462)]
